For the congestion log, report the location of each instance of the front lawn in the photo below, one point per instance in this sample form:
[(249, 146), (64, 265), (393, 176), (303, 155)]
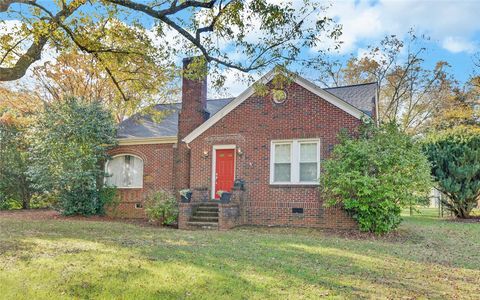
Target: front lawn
[(51, 259)]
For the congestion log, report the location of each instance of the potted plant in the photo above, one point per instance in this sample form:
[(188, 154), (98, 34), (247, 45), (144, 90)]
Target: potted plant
[(224, 196), (186, 195)]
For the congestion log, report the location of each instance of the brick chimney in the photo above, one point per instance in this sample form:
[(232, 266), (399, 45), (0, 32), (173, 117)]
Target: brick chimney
[(193, 114), (194, 95)]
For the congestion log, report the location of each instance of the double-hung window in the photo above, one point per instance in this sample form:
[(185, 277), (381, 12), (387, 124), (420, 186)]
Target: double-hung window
[(295, 162)]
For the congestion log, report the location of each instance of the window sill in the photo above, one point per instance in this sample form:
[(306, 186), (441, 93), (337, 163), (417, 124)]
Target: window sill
[(294, 185), (130, 188)]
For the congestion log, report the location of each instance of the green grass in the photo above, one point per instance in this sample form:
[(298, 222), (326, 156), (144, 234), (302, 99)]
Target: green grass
[(52, 259)]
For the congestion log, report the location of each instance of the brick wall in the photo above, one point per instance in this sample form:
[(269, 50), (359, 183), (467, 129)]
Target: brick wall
[(157, 174), (251, 127)]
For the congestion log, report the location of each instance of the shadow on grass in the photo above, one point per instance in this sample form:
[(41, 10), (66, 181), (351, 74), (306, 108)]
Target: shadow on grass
[(118, 260)]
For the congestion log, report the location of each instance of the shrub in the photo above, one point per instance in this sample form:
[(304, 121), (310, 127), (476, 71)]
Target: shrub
[(9, 204), (69, 142), (455, 158), (109, 199), (374, 175), (15, 187), (43, 201), (161, 206)]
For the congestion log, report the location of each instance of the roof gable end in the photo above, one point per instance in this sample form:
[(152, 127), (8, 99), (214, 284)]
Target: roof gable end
[(310, 86)]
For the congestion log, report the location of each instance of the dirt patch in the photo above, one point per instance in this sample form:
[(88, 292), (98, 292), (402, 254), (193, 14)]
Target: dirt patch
[(473, 219), (397, 236)]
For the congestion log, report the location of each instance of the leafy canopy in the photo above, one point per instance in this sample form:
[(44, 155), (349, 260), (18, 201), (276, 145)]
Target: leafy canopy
[(258, 32), (80, 75), (376, 174), (68, 145)]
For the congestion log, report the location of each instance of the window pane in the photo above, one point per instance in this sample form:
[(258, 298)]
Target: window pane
[(282, 153), (127, 179), (115, 171), (282, 173), (125, 171), (308, 152), (308, 172), (136, 171)]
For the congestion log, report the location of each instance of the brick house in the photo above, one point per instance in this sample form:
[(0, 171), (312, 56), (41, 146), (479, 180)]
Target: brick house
[(265, 150)]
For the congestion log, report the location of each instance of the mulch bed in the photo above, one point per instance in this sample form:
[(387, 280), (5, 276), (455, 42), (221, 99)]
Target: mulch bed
[(30, 214), (49, 214)]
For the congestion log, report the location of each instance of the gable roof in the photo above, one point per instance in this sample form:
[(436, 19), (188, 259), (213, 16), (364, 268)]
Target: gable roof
[(357, 100), (143, 126), (329, 96)]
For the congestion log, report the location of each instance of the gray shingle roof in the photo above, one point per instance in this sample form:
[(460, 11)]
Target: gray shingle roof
[(144, 126), (361, 96)]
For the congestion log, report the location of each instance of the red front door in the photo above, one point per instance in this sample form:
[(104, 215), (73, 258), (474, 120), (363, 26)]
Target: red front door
[(224, 170)]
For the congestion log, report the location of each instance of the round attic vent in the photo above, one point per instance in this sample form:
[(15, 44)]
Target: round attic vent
[(279, 96)]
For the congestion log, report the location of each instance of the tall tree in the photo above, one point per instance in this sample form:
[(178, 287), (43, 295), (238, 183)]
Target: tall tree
[(260, 32), (409, 93), (453, 147), (76, 74)]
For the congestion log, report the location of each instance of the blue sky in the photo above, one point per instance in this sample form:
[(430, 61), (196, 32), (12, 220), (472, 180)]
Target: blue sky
[(453, 26)]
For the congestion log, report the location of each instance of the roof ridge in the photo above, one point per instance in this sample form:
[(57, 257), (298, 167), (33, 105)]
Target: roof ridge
[(218, 99), (180, 102), (350, 85)]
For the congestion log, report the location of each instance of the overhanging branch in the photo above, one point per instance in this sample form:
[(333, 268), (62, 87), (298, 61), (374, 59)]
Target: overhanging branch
[(34, 52)]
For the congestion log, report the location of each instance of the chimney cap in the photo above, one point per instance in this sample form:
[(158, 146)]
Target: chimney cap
[(189, 59)]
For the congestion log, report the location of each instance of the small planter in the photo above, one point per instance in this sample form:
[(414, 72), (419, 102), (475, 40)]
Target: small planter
[(239, 185), (225, 197), (185, 196)]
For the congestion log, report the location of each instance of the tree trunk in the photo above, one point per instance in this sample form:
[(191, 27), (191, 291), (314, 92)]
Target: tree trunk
[(26, 200)]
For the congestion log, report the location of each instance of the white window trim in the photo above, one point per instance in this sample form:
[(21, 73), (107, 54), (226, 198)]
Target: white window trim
[(295, 161), (125, 187), (214, 163)]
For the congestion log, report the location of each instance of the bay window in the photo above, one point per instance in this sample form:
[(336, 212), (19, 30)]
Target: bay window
[(295, 162)]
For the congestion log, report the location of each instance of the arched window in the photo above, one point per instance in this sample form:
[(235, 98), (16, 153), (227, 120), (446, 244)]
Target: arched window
[(125, 171)]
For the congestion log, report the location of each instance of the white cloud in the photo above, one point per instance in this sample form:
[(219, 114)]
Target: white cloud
[(457, 44), (9, 26), (453, 24), (235, 83), (358, 22)]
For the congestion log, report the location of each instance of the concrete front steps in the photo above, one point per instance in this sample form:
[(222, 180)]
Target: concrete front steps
[(205, 216)]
